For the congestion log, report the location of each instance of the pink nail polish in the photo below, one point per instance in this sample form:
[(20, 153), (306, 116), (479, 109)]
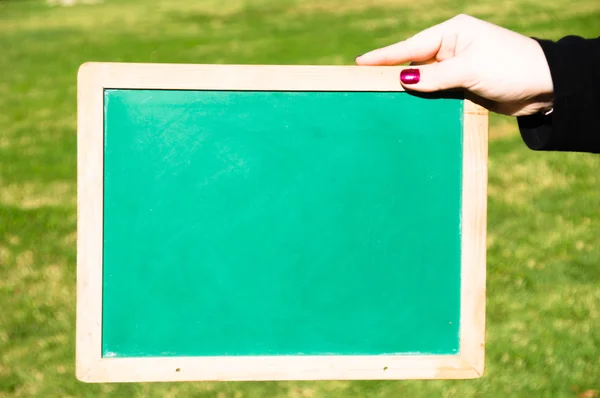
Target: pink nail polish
[(410, 76)]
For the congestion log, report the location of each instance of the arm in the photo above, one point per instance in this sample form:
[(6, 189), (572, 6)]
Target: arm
[(574, 124)]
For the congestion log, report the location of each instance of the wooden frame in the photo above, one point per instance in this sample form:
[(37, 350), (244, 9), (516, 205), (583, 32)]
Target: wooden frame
[(94, 78)]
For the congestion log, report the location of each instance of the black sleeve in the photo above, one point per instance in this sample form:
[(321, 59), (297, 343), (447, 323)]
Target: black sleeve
[(574, 124)]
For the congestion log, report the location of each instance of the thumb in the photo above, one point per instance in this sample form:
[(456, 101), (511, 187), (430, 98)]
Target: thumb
[(445, 75)]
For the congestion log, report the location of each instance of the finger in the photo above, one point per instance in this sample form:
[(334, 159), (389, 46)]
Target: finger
[(429, 61), (421, 47), (482, 101), (452, 73)]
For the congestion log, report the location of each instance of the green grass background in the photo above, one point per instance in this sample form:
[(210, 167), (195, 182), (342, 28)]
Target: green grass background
[(543, 323)]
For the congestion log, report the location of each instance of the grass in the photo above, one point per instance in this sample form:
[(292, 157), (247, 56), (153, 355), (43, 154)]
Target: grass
[(543, 325)]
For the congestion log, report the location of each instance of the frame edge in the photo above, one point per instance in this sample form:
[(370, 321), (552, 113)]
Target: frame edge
[(248, 77), (89, 218), (474, 225), (279, 368)]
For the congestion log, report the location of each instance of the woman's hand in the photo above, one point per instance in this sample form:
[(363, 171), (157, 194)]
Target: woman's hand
[(504, 71)]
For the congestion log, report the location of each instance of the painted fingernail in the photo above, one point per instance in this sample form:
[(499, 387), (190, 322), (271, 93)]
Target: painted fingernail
[(410, 76)]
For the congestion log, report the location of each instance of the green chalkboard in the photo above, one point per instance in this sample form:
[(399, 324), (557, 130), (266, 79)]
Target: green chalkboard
[(249, 223)]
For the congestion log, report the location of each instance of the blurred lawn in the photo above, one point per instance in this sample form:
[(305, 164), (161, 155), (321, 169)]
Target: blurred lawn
[(543, 328)]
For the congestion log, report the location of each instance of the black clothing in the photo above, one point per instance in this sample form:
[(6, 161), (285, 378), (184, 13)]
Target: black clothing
[(574, 123)]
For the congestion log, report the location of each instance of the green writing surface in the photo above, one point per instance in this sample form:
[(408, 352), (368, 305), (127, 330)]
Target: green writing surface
[(280, 223)]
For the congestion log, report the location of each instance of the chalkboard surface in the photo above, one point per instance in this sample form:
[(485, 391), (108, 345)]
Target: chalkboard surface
[(279, 224), (252, 223)]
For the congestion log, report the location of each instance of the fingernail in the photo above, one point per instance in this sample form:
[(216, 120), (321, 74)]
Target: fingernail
[(410, 76)]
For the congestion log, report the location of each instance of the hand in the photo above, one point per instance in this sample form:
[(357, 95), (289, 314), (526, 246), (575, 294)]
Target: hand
[(501, 70)]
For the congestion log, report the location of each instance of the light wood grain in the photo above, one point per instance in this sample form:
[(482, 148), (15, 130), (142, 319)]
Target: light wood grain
[(94, 78), (382, 367), (474, 223), (90, 148), (247, 77)]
